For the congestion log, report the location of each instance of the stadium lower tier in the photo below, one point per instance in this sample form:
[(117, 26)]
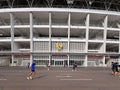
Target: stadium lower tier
[(59, 60)]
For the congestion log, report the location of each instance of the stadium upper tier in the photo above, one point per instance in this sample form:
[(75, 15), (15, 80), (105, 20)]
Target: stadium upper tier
[(111, 5)]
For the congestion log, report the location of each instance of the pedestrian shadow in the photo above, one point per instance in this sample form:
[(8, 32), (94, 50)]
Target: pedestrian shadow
[(41, 76)]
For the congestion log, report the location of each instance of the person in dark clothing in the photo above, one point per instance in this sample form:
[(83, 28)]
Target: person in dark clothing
[(114, 68), (74, 67), (28, 65)]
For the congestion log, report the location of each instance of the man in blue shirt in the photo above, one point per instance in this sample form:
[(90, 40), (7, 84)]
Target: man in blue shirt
[(32, 73)]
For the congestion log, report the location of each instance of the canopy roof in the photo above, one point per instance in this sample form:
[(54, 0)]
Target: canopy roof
[(112, 5)]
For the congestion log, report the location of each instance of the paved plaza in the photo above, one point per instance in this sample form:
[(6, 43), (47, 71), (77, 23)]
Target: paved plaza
[(14, 78)]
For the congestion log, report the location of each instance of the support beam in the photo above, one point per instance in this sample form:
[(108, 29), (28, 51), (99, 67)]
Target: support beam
[(12, 35), (50, 32), (31, 37), (87, 38), (69, 27)]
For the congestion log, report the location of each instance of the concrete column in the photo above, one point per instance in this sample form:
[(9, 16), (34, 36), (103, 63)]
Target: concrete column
[(68, 60), (105, 32), (85, 63), (119, 41), (31, 37), (50, 47), (69, 25), (104, 61), (12, 35), (105, 37), (119, 48), (49, 60), (12, 61), (87, 38)]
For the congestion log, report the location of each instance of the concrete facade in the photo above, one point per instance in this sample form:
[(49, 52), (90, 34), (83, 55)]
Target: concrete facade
[(59, 37)]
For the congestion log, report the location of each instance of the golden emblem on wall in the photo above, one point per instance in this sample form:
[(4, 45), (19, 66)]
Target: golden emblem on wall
[(59, 46)]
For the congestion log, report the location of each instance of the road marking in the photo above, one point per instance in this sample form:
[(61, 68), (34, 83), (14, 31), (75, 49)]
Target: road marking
[(3, 79), (76, 79), (64, 76)]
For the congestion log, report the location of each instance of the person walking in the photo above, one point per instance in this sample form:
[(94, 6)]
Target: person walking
[(32, 73), (28, 65), (48, 66), (74, 67), (113, 68)]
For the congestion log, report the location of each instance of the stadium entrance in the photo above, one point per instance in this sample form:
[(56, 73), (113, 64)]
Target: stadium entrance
[(59, 60), (60, 63)]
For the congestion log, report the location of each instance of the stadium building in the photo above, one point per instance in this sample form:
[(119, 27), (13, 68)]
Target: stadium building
[(59, 32)]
